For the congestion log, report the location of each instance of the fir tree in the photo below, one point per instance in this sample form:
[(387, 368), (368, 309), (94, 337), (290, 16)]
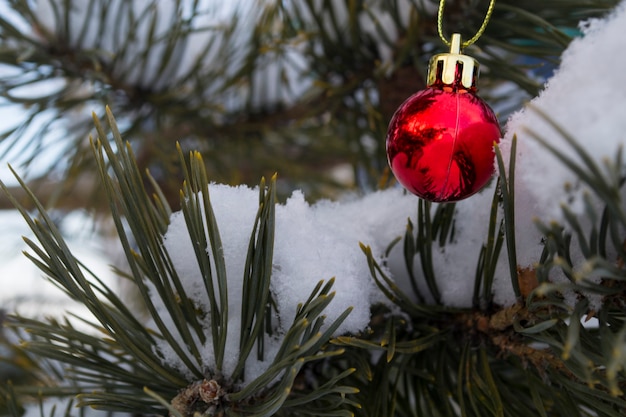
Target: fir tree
[(207, 92)]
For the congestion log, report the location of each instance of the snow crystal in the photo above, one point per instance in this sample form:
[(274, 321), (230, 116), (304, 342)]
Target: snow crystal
[(586, 96), (455, 263), (235, 209), (312, 243), (321, 242)]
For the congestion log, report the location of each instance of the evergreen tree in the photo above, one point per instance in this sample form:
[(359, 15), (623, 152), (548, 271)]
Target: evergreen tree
[(232, 92)]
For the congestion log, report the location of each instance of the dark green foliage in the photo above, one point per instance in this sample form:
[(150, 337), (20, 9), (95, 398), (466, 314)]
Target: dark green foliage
[(538, 357), (117, 367)]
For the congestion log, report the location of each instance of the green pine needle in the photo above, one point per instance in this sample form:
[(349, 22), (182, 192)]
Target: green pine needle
[(117, 368)]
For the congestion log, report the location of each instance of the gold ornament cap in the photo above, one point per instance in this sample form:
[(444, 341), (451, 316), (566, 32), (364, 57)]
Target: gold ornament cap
[(453, 68)]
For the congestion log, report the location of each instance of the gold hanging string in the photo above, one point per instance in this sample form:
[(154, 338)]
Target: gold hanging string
[(478, 34)]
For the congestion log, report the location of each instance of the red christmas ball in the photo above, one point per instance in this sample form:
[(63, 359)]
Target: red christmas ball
[(440, 140), (440, 143)]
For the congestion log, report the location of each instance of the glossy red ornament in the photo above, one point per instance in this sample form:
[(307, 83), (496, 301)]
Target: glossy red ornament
[(440, 140)]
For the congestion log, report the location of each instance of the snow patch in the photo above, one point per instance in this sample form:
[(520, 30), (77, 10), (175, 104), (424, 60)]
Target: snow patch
[(312, 243), (586, 97)]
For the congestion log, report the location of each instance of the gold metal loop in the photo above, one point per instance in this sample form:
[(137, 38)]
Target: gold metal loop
[(478, 34)]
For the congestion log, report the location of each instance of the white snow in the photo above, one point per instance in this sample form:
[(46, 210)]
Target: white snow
[(587, 97), (312, 243)]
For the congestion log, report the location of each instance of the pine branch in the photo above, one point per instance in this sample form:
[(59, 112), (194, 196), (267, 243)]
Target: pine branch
[(121, 367)]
